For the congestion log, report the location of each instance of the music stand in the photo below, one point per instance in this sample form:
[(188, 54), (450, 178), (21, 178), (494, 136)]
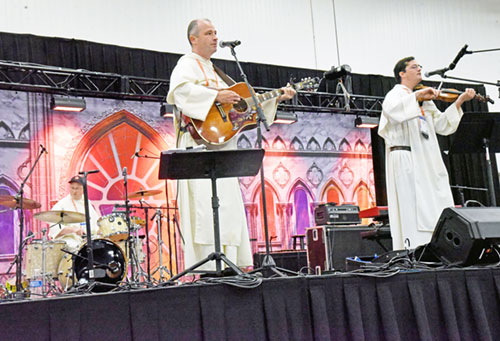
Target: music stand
[(479, 133), (194, 164)]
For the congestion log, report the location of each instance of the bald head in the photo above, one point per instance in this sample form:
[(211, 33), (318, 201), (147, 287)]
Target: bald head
[(194, 28), (202, 36)]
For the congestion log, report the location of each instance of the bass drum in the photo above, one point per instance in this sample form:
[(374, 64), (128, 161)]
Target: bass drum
[(109, 259)]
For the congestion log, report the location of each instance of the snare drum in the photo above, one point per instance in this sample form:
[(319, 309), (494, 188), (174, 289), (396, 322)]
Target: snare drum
[(113, 227), (34, 257)]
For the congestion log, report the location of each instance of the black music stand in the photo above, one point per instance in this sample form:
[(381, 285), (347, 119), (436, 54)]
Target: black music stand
[(479, 133), (194, 164)]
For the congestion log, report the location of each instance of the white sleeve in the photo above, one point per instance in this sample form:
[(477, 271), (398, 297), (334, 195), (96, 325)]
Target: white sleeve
[(399, 107), (192, 99), (445, 123)]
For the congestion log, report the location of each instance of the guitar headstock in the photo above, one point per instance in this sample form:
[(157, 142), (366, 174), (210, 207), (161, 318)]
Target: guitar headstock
[(307, 84)]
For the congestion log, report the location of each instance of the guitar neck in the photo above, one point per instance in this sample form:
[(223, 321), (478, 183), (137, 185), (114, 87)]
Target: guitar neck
[(266, 96)]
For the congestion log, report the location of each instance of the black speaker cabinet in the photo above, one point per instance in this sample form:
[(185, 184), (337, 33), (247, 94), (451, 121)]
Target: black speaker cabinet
[(286, 259), (467, 235)]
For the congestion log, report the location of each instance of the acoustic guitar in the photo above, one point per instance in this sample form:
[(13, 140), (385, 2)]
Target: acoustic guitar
[(224, 121)]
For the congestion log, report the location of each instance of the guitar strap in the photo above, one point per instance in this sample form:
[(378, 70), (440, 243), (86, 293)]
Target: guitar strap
[(224, 77), (188, 127)]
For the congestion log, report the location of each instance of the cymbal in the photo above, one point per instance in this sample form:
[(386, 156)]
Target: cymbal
[(143, 193), (11, 202), (61, 217)]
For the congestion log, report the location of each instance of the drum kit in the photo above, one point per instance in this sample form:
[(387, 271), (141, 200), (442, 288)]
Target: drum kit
[(49, 260), (117, 250)]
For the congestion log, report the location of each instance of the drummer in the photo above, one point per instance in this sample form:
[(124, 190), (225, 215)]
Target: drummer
[(73, 234)]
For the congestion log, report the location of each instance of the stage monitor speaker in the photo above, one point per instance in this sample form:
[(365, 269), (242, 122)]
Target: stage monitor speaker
[(286, 259), (467, 236)]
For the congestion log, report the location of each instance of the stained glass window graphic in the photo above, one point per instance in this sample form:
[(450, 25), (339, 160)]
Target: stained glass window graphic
[(112, 150), (302, 211)]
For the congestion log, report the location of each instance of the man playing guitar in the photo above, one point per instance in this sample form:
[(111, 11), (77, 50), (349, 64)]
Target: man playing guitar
[(195, 87)]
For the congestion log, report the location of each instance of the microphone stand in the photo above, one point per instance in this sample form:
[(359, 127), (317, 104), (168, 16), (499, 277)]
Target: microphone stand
[(20, 200), (128, 244), (176, 225), (461, 192), (168, 228), (90, 250), (453, 64), (146, 219), (268, 264)]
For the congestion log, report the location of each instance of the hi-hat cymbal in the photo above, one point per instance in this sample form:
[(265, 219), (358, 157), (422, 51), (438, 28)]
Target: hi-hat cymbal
[(143, 193), (61, 217), (11, 202)]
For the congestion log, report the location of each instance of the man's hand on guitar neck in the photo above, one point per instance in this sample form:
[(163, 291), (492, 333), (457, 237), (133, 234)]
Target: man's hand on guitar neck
[(227, 97), (288, 93)]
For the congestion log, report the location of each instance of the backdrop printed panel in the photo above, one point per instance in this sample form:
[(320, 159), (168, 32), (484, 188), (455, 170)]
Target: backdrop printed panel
[(321, 158)]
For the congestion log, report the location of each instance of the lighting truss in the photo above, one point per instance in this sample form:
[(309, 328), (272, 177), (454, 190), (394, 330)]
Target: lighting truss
[(334, 103), (42, 78), (65, 81)]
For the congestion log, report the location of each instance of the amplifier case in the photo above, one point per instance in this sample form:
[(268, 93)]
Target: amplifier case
[(331, 214), (329, 246)]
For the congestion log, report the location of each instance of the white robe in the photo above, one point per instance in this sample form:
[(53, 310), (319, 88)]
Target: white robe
[(73, 240), (191, 96), (417, 181)]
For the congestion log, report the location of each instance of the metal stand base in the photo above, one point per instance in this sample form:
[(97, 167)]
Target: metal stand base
[(269, 268), (214, 256)]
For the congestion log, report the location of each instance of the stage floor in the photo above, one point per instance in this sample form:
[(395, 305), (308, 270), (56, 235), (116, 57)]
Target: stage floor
[(410, 305)]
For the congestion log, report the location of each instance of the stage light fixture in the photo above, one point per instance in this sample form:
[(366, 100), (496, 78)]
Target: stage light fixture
[(284, 117), (60, 103), (337, 72), (166, 110), (366, 122)]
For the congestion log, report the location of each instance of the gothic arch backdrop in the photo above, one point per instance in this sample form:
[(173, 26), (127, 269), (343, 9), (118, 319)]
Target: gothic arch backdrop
[(108, 147)]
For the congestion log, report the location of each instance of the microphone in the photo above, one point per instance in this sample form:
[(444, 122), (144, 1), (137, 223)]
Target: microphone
[(136, 154), (43, 149), (441, 72), (28, 237), (436, 72), (158, 212), (337, 72), (460, 54), (229, 43)]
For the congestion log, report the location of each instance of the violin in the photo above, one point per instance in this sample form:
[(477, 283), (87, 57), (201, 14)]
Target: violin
[(451, 95)]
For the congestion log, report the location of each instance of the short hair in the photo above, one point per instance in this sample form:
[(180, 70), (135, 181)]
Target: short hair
[(401, 67), (193, 28)]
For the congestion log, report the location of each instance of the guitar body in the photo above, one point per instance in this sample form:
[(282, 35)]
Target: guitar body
[(223, 122)]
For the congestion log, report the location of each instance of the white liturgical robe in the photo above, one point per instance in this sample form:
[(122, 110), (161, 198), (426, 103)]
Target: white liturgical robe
[(73, 240), (192, 91), (417, 181)]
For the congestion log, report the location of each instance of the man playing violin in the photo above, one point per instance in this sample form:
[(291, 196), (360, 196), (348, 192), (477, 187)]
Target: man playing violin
[(417, 181)]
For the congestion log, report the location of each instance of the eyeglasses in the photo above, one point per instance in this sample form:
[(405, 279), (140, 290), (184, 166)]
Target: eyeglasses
[(415, 66)]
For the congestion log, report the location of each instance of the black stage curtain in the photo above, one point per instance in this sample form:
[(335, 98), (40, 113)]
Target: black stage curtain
[(431, 305), (465, 170)]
